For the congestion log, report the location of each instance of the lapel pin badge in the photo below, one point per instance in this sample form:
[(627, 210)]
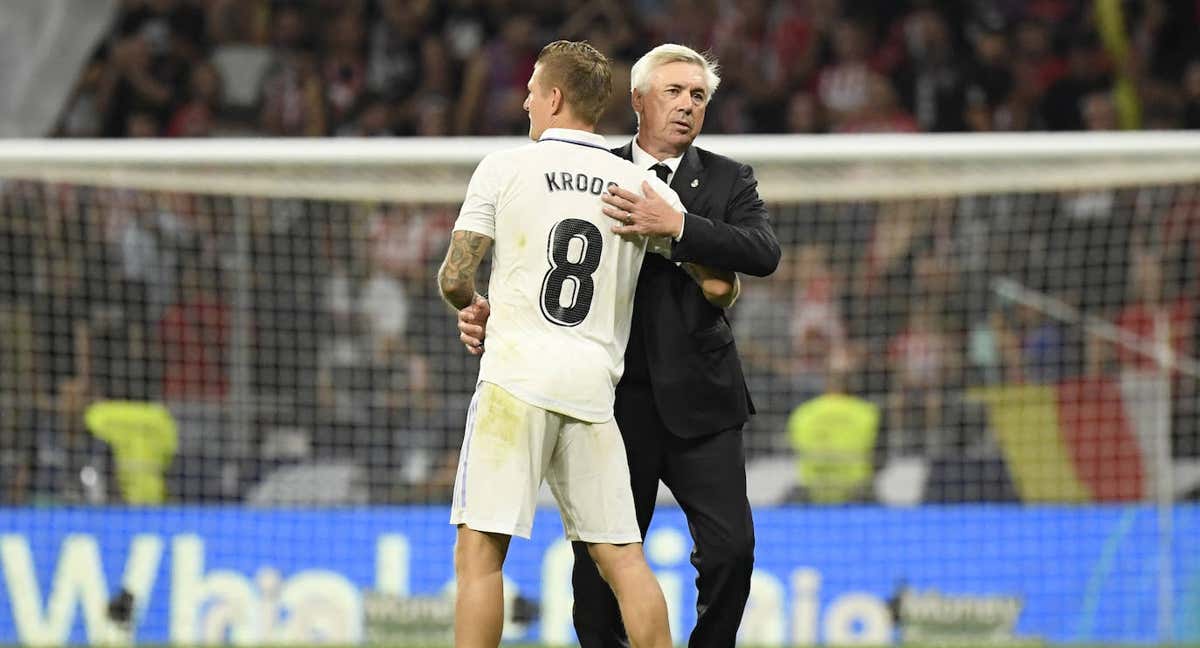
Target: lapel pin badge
[(695, 183)]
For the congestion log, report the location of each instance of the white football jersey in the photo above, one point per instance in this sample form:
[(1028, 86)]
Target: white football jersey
[(562, 283)]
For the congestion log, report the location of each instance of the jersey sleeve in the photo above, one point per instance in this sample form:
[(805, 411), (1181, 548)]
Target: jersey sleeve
[(661, 245), (478, 212), (668, 194)]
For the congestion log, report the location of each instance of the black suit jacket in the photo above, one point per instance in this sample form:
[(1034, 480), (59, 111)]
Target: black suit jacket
[(680, 345)]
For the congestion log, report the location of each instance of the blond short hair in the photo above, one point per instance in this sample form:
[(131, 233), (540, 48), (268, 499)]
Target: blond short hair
[(639, 76), (582, 73)]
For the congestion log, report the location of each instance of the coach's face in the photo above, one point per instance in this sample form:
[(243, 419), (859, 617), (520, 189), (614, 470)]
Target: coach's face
[(540, 103), (671, 111)]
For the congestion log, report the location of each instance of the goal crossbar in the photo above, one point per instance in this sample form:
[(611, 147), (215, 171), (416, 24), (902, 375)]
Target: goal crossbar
[(437, 169)]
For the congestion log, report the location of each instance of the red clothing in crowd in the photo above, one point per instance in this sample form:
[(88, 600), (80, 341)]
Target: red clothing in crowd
[(1155, 325), (195, 335)]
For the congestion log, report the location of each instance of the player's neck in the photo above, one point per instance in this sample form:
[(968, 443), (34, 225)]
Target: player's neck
[(573, 124)]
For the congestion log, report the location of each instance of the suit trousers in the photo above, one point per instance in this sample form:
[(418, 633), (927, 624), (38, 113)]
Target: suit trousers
[(707, 475)]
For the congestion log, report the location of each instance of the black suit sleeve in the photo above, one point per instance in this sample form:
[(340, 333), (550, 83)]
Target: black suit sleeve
[(744, 242)]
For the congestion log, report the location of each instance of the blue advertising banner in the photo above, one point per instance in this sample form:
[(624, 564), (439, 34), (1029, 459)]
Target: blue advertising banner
[(822, 575)]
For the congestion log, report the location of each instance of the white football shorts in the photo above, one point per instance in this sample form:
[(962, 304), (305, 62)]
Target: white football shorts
[(510, 446)]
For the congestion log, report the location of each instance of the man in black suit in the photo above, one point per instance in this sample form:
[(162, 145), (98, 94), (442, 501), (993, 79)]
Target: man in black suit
[(682, 401)]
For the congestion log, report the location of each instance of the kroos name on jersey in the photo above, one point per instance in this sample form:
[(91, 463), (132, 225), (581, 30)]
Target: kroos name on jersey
[(581, 182)]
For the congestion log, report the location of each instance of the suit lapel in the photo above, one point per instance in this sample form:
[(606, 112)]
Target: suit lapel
[(689, 178), (625, 152)]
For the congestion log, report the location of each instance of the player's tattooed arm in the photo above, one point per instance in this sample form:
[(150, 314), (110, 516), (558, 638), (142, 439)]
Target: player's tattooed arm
[(456, 278)]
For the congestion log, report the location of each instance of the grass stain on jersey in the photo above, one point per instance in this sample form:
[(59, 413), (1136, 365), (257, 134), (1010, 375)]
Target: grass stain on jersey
[(499, 418)]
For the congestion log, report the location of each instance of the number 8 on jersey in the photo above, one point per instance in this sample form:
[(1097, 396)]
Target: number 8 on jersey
[(563, 269)]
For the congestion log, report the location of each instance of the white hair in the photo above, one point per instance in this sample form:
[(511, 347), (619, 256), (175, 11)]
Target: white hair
[(639, 76)]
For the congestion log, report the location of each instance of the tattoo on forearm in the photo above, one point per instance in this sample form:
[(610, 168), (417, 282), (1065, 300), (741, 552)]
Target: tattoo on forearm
[(456, 279)]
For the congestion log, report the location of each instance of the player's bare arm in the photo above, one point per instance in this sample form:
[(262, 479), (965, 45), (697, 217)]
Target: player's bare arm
[(456, 278), (720, 287)]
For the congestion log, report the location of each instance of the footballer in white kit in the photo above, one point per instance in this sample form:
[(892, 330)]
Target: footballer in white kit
[(561, 295)]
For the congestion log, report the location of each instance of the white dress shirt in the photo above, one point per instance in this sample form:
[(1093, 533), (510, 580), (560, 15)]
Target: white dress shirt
[(644, 160)]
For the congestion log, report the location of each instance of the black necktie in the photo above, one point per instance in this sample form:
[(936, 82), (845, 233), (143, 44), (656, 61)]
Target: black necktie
[(663, 172)]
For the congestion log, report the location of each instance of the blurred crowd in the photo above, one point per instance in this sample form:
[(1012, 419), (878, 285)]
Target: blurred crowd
[(286, 333), (313, 334), (914, 305), (197, 68)]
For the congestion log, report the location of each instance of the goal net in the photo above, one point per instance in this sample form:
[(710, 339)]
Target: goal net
[(229, 391)]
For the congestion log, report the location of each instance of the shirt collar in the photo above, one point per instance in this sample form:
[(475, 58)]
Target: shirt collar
[(644, 160), (574, 136)]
